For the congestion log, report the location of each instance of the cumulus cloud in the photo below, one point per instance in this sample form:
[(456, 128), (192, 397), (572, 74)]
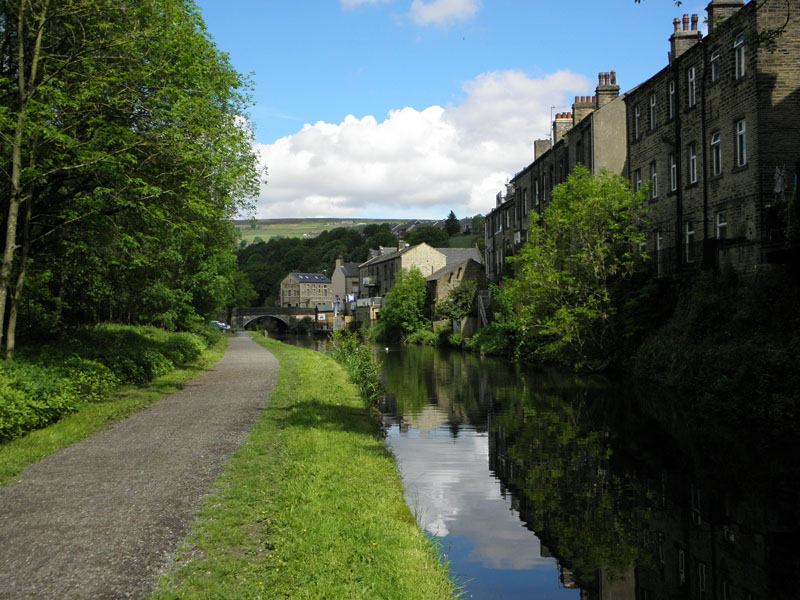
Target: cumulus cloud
[(443, 12), (415, 163)]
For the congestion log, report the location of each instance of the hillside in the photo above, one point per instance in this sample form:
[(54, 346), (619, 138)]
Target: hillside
[(297, 228)]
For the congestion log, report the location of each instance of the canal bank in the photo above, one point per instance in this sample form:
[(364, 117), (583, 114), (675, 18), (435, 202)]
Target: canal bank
[(310, 506)]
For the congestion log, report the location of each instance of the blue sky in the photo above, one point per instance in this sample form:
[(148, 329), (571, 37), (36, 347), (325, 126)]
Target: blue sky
[(413, 108)]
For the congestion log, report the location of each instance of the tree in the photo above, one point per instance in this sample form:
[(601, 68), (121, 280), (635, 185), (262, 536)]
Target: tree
[(458, 303), (404, 311), (433, 236), (566, 276), (122, 127), (451, 224), (478, 223)]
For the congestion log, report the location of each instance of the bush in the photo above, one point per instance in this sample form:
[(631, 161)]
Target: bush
[(86, 365), (89, 380), (31, 397), (423, 337), (346, 349)]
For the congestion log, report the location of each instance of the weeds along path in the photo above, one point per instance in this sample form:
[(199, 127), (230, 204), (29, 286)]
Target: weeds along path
[(104, 517)]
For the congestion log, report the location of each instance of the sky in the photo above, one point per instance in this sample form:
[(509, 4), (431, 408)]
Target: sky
[(408, 109)]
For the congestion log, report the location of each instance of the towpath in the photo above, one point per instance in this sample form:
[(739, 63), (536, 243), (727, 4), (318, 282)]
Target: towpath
[(104, 517)]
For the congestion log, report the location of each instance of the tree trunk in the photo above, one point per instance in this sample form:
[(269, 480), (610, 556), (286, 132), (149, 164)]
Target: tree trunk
[(11, 338)]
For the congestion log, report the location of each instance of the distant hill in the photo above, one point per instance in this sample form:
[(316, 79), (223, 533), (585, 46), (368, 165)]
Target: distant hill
[(298, 228)]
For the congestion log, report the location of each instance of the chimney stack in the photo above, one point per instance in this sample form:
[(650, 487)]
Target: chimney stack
[(540, 147), (683, 37), (607, 88), (561, 125), (719, 10)]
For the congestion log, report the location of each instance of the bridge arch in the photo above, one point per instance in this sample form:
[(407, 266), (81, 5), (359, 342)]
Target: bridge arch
[(282, 319)]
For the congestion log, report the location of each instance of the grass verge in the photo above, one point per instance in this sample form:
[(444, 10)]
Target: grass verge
[(311, 505), (89, 417)]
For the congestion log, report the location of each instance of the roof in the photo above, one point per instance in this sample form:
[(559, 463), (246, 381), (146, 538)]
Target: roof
[(388, 256), (324, 307), (310, 277), (350, 269), (449, 268), (459, 255)]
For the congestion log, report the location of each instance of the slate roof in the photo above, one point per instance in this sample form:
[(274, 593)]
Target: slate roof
[(310, 277), (449, 268), (459, 255), (350, 269), (388, 256)]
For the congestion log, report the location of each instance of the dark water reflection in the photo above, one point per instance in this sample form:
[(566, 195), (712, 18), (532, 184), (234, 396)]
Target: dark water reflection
[(549, 485)]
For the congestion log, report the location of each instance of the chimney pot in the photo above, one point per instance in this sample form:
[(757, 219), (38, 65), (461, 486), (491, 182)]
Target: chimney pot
[(694, 22), (685, 23), (613, 78), (576, 99), (600, 78), (594, 99), (676, 22)]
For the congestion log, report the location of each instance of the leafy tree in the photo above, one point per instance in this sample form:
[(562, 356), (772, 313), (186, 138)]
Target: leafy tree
[(582, 247), (478, 223), (433, 236), (404, 311), (451, 224), (458, 303), (122, 133)]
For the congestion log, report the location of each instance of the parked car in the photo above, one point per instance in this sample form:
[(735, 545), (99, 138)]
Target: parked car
[(220, 325)]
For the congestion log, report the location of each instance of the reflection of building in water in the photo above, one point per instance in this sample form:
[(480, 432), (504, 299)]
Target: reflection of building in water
[(693, 533)]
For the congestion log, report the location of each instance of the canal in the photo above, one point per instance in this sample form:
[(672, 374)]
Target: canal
[(545, 484)]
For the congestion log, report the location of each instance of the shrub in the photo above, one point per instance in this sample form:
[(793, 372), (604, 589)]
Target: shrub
[(423, 337), (89, 380), (346, 349), (31, 397)]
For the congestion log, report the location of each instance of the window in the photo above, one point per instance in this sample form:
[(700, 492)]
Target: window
[(722, 226), (688, 241), (637, 180), (525, 201), (673, 173), (692, 164), (637, 113), (681, 566), (741, 143), (715, 65), (701, 576), (672, 99), (690, 76), (536, 187), (716, 154), (653, 180), (738, 57), (652, 112), (659, 261)]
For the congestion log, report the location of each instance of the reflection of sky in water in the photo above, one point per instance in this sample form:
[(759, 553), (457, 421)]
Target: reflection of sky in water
[(455, 497)]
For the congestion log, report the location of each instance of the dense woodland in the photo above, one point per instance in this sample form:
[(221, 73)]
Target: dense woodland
[(125, 150)]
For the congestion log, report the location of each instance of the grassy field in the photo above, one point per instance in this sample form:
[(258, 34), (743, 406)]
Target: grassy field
[(311, 505), (93, 416), (269, 228), (464, 241)]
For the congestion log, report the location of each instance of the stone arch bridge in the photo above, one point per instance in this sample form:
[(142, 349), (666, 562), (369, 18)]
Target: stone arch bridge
[(283, 316)]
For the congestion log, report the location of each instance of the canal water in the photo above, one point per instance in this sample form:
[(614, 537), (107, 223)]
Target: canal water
[(546, 484)]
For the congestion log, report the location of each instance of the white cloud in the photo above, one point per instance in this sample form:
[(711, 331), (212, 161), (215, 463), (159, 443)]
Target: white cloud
[(443, 12), (415, 163)]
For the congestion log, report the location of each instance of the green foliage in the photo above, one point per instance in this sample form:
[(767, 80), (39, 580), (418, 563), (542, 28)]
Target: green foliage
[(87, 365), (451, 224), (404, 311), (423, 337), (433, 236), (458, 303), (304, 326), (347, 349), (129, 153), (566, 279), (725, 352)]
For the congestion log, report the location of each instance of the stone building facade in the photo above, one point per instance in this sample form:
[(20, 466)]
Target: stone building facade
[(714, 133), (593, 135), (305, 290), (378, 274), (344, 281)]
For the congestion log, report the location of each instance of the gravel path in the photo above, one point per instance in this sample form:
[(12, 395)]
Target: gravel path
[(104, 517)]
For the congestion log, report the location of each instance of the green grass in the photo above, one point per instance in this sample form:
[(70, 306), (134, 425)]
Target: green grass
[(297, 228), (464, 241), (17, 454), (311, 505)]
